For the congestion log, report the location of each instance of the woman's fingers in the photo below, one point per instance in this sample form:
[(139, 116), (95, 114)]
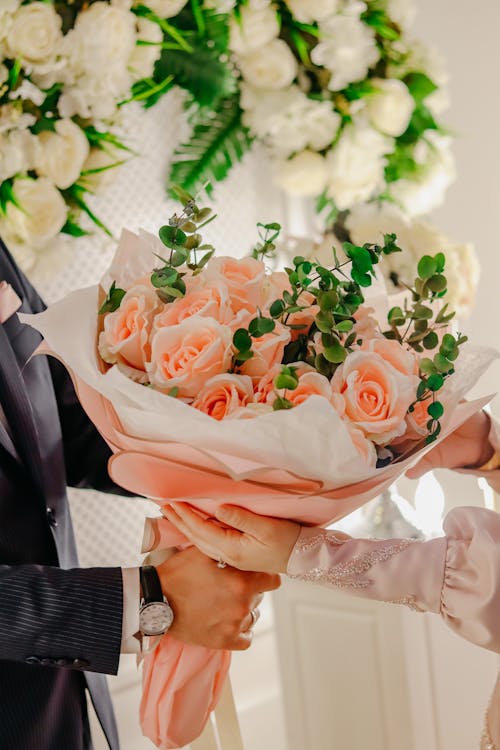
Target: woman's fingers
[(202, 532), (243, 520)]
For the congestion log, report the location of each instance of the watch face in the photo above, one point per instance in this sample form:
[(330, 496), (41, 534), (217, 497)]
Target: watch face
[(155, 618)]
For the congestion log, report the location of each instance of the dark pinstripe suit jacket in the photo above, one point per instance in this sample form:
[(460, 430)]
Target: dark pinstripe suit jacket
[(59, 625)]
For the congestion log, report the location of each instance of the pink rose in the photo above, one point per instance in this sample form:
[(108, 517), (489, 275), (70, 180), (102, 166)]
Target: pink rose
[(268, 350), (366, 326), (310, 384), (125, 338), (209, 302), (403, 360), (188, 354), (224, 394), (376, 395), (264, 390), (244, 278)]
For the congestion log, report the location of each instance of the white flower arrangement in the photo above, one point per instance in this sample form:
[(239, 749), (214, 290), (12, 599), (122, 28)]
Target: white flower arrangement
[(65, 70), (344, 81)]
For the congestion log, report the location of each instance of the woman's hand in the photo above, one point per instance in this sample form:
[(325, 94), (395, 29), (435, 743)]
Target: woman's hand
[(467, 447), (251, 542)]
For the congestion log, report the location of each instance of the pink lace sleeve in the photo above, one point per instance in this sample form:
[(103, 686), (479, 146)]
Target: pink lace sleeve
[(457, 576), (396, 570)]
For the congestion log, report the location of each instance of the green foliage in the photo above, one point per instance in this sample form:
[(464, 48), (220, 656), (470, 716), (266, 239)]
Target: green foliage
[(199, 71), (113, 299), (182, 238), (216, 143), (417, 326), (267, 240)]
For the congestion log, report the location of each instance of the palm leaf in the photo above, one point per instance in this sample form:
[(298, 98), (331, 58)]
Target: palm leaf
[(216, 143), (200, 72)]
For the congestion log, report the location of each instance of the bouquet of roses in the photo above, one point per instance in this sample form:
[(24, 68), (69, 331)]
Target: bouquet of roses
[(214, 380)]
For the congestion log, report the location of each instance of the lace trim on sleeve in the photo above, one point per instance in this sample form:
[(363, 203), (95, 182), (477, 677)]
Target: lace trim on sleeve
[(348, 575)]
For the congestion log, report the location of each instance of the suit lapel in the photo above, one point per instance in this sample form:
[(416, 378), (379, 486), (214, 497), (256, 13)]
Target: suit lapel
[(17, 407)]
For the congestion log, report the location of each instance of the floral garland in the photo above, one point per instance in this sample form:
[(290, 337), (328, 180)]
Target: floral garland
[(344, 99), (341, 96)]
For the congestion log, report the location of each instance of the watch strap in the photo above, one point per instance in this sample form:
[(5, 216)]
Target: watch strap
[(150, 584)]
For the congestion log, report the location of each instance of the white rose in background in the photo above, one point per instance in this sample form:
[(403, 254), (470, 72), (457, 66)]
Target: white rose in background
[(143, 58), (309, 11), (17, 153), (390, 107), (304, 174), (105, 163), (35, 33), (28, 90), (257, 26), (427, 188), (270, 67), (369, 222), (288, 121), (166, 8), (98, 49), (430, 60), (403, 12), (356, 165), (42, 213), (62, 153), (11, 118), (347, 49)]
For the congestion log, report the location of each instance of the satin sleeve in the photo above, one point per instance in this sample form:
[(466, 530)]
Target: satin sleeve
[(456, 576)]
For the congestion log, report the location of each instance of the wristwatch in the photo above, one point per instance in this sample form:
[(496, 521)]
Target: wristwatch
[(155, 613)]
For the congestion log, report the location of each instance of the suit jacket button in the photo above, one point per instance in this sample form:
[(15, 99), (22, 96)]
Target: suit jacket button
[(62, 662), (51, 517), (32, 660), (47, 661), (80, 663)]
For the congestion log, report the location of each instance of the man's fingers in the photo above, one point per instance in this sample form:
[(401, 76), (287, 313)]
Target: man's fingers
[(243, 520)]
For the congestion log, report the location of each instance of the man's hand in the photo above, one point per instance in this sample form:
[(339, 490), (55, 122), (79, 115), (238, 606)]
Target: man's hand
[(467, 447), (212, 605)]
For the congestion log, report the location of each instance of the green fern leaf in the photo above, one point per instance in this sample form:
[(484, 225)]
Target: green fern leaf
[(200, 72), (216, 143)]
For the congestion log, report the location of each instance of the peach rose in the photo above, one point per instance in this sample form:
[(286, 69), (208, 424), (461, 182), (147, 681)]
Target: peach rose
[(376, 395), (403, 360), (417, 420), (264, 390), (366, 326), (365, 447), (125, 338), (244, 278), (310, 384), (268, 351), (188, 354), (224, 394), (209, 302)]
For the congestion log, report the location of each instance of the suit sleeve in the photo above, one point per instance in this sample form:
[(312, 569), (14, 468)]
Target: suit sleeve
[(65, 618)]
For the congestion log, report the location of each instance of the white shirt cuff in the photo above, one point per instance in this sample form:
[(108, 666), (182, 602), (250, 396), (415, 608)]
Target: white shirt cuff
[(131, 602)]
